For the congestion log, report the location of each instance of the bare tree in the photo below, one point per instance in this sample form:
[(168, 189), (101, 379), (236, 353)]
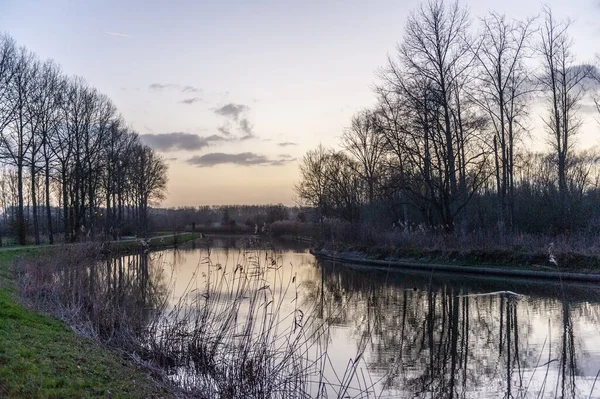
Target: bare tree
[(392, 119), (61, 144), (53, 85), (8, 54), (114, 153), (150, 182), (366, 145), (562, 79), (595, 80), (311, 186), (430, 125), (502, 93), (434, 48), (44, 110), (96, 139), (63, 134), (16, 137)]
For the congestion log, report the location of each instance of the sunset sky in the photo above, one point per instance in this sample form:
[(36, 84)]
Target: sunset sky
[(234, 93)]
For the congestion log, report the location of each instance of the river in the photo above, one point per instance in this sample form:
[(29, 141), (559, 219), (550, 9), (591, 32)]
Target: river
[(419, 334)]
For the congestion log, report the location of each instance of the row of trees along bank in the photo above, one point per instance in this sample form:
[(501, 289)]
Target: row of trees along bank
[(68, 155), (444, 145)]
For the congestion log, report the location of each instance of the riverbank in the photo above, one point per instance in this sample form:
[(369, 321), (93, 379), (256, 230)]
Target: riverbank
[(158, 242), (564, 265), (40, 357)]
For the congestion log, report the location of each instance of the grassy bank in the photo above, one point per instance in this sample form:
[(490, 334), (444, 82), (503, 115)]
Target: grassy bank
[(161, 241), (544, 254), (573, 252), (40, 357)]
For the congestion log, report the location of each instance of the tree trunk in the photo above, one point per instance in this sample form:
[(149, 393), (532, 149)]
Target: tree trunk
[(21, 230), (66, 214), (48, 208), (36, 227)]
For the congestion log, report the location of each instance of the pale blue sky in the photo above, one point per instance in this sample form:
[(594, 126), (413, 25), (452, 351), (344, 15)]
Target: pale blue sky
[(300, 68)]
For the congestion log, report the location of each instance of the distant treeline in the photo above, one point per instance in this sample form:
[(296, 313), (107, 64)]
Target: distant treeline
[(443, 148), (67, 156), (251, 216)]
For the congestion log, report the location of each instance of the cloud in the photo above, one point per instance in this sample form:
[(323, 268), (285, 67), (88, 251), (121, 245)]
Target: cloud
[(246, 127), (231, 110), (161, 86), (234, 114), (183, 89), (191, 100), (593, 80), (176, 141), (225, 129), (118, 34), (589, 73), (287, 144), (216, 137), (283, 159), (588, 107), (241, 159), (190, 89)]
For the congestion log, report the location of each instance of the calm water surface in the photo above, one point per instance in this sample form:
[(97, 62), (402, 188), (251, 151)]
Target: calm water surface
[(427, 335)]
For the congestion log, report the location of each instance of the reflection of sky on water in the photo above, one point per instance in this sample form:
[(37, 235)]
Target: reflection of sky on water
[(424, 337)]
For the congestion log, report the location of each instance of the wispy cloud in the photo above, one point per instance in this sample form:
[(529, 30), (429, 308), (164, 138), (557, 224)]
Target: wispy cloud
[(231, 110), (588, 107), (235, 114), (225, 129), (241, 159), (174, 86), (179, 141), (161, 86), (287, 144), (190, 89), (118, 34), (246, 127), (191, 100), (282, 160)]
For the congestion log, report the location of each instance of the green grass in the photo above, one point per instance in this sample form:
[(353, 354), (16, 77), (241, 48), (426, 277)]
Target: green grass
[(157, 242), (173, 239), (40, 357)]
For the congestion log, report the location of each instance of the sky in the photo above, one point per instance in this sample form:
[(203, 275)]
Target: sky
[(233, 93)]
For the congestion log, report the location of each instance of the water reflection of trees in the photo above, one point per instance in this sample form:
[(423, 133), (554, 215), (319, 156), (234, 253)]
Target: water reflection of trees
[(436, 337), (111, 298), (123, 295)]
